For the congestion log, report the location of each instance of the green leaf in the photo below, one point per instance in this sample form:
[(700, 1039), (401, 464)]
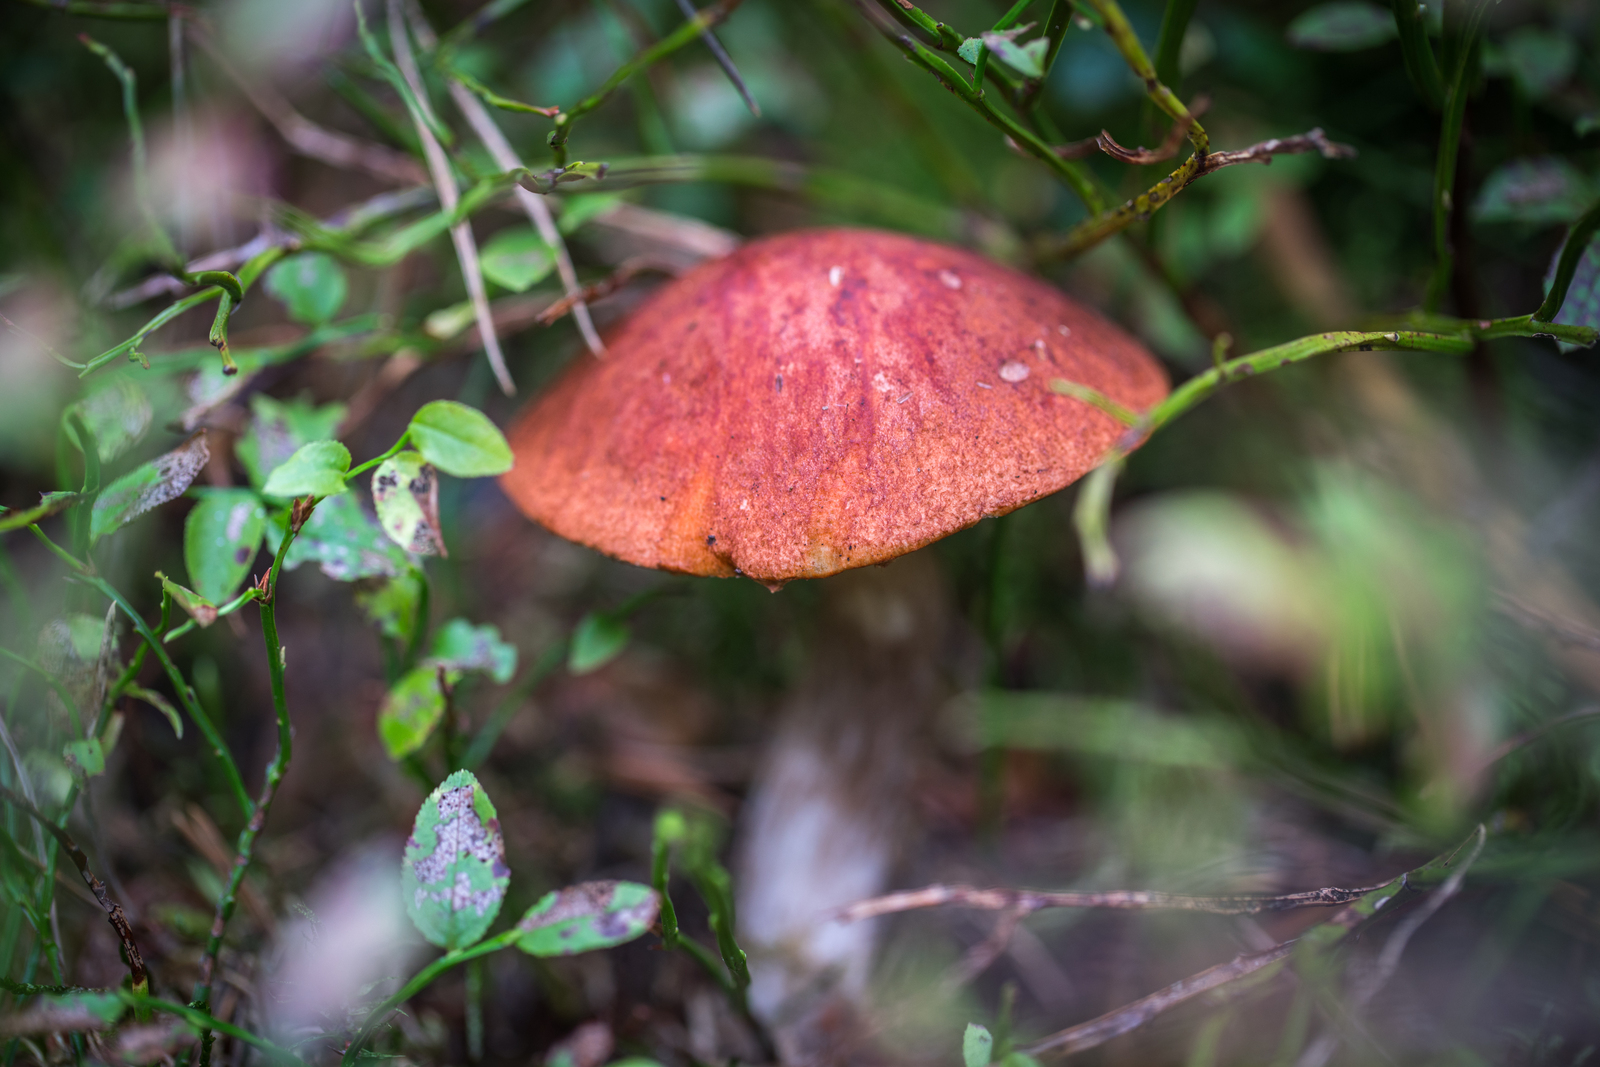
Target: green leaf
[(596, 640), (1533, 190), (970, 49), (1026, 59), (1539, 60), (343, 539), (455, 874), (460, 440), (587, 916), (1019, 1059), (391, 605), (311, 286), (1582, 306), (405, 490), (517, 258), (85, 757), (278, 428), (977, 1046), (148, 486), (580, 208), (1343, 26), (71, 1013), (316, 469), (445, 323), (220, 540), (194, 605), (412, 710), (461, 646), (118, 416), (161, 704)]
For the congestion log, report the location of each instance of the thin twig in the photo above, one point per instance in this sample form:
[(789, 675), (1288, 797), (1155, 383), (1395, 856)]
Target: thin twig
[(1028, 901), (982, 955), (1132, 1016), (444, 180), (626, 271), (306, 137), (1108, 144), (724, 60), (538, 211), (1567, 631), (113, 910)]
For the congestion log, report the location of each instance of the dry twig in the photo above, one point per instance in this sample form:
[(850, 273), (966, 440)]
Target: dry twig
[(625, 272), (306, 137), (444, 180), (1028, 901), (113, 910)]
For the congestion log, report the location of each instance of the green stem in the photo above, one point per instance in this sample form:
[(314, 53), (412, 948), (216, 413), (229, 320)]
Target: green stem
[(202, 1020), (1577, 243), (1070, 172), (684, 35), (1444, 172), (483, 742), (394, 450), (1422, 68), (275, 771), (1169, 46), (914, 18), (107, 9), (420, 981), (229, 608), (185, 696)]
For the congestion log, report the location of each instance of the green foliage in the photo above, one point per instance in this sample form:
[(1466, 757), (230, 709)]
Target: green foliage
[(317, 469), (221, 537), (405, 490), (279, 428), (977, 1046), (412, 709), (118, 415), (1534, 190), (598, 639), (391, 603), (85, 757), (1342, 26), (148, 486), (455, 872), (586, 917), (459, 440), (311, 286), (517, 259), (343, 539), (461, 646)]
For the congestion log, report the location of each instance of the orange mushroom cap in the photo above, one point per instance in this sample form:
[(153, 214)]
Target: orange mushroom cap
[(821, 400)]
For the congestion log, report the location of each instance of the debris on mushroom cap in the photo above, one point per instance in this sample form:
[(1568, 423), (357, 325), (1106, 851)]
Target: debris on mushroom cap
[(822, 400)]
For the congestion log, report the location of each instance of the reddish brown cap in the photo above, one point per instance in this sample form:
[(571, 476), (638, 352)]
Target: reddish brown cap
[(822, 400)]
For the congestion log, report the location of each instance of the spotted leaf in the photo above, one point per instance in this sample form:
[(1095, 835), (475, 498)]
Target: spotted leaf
[(405, 490), (587, 916), (455, 874), (220, 540)]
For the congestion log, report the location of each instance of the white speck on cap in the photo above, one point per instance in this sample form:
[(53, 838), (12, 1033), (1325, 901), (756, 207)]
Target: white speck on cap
[(950, 278), (835, 276), (1064, 331), (1013, 372)]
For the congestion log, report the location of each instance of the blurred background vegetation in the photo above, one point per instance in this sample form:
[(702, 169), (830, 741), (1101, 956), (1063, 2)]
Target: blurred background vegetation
[(1356, 615)]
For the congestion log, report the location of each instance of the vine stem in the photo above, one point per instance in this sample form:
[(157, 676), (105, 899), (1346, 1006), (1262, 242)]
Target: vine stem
[(1444, 173), (208, 729), (420, 981), (275, 772), (203, 1020)]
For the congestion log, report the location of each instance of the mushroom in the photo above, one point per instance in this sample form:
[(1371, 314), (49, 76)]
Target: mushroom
[(822, 400)]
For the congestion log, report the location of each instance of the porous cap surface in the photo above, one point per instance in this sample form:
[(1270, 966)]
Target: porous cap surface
[(821, 400)]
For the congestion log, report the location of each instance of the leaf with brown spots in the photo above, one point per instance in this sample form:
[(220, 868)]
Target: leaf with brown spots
[(405, 490), (587, 916)]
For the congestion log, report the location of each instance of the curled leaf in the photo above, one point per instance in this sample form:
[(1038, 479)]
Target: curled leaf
[(405, 490), (198, 607), (587, 916), (596, 640), (149, 485), (455, 874), (161, 704)]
